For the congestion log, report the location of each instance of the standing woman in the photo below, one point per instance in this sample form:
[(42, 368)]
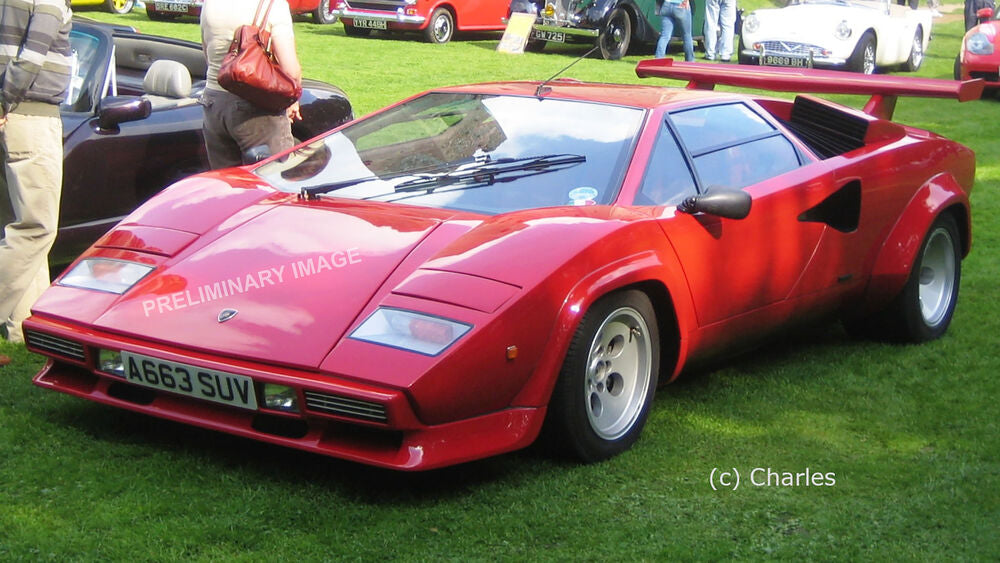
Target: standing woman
[(234, 125), (675, 12)]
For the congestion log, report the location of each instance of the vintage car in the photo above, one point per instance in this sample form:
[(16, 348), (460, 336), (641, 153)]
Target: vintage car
[(455, 275), (113, 6), (613, 25), (130, 127), (437, 20), (855, 35), (980, 53), (173, 9)]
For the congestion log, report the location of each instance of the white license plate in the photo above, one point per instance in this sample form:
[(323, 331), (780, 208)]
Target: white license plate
[(208, 384), (171, 7), (781, 60), (368, 23), (553, 36)]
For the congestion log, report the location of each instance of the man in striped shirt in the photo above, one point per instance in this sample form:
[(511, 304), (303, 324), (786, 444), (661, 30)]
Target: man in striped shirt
[(35, 67)]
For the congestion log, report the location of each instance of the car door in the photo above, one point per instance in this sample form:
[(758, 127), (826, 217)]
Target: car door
[(736, 267)]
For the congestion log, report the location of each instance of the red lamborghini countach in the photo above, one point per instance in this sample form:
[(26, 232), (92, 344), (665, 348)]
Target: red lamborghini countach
[(453, 276)]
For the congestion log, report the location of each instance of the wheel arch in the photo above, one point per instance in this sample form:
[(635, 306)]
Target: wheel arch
[(942, 194), (665, 287), (447, 6)]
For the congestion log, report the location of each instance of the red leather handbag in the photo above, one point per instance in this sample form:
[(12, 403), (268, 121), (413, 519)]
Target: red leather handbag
[(250, 70)]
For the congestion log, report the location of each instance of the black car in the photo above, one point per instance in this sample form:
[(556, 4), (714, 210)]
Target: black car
[(124, 142), (614, 25)]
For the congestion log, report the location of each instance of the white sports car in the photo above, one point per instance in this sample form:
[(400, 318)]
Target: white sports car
[(857, 35)]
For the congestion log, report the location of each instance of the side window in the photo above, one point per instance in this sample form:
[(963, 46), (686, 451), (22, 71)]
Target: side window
[(746, 164), (733, 146), (668, 179)]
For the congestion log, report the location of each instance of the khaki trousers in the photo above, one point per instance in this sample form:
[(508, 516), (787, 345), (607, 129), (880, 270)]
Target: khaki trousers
[(33, 172)]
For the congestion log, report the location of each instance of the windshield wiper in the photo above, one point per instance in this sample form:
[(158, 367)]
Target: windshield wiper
[(486, 172), (314, 192)]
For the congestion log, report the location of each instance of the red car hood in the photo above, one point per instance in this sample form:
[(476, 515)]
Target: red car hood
[(297, 276)]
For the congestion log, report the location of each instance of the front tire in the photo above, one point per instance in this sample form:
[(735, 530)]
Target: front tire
[(617, 35), (923, 309), (119, 6), (916, 57), (958, 67), (863, 58), (441, 27), (606, 386), (322, 14)]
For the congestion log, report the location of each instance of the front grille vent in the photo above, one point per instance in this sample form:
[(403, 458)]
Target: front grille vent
[(345, 406), (55, 345)]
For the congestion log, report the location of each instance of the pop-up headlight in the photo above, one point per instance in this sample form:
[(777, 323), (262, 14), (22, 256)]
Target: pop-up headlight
[(105, 274), (417, 332)]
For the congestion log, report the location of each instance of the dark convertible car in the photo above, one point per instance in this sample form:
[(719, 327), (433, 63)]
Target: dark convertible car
[(132, 127)]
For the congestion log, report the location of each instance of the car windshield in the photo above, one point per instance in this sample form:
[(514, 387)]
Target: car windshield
[(483, 153)]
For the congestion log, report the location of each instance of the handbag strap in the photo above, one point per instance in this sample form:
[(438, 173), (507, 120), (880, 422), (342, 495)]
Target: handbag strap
[(267, 13)]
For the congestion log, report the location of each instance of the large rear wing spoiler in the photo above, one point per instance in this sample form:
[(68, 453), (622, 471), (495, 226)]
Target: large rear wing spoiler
[(883, 88)]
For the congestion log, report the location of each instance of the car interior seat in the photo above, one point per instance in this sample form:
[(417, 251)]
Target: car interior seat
[(168, 84)]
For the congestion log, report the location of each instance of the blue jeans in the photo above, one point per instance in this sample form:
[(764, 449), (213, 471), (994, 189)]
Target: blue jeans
[(673, 13)]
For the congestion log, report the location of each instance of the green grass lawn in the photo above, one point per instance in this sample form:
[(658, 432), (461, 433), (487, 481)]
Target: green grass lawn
[(910, 433)]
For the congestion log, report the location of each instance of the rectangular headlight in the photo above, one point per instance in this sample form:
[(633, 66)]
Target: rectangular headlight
[(409, 330), (105, 274)]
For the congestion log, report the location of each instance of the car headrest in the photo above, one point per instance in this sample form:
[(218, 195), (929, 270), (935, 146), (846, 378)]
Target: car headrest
[(167, 78)]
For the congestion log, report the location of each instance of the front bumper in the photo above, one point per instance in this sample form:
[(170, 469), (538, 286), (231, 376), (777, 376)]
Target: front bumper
[(396, 439)]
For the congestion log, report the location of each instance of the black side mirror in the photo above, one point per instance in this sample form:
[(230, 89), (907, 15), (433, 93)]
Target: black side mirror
[(115, 110), (256, 154), (722, 202)]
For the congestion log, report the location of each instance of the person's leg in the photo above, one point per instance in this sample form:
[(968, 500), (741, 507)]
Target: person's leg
[(34, 182), (727, 20), (22, 309), (684, 17), (222, 150), (666, 30), (711, 29)]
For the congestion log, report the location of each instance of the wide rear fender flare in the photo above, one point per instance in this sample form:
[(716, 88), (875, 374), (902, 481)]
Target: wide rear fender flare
[(896, 258)]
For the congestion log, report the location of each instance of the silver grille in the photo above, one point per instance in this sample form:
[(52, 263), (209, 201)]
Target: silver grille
[(345, 406), (790, 48), (55, 345)]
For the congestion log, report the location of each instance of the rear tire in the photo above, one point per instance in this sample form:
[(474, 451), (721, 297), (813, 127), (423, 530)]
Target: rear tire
[(923, 309), (617, 35), (119, 6), (863, 58), (916, 57), (606, 386), (323, 15)]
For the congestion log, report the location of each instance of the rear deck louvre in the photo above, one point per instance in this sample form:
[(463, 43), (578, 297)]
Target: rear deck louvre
[(828, 131)]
